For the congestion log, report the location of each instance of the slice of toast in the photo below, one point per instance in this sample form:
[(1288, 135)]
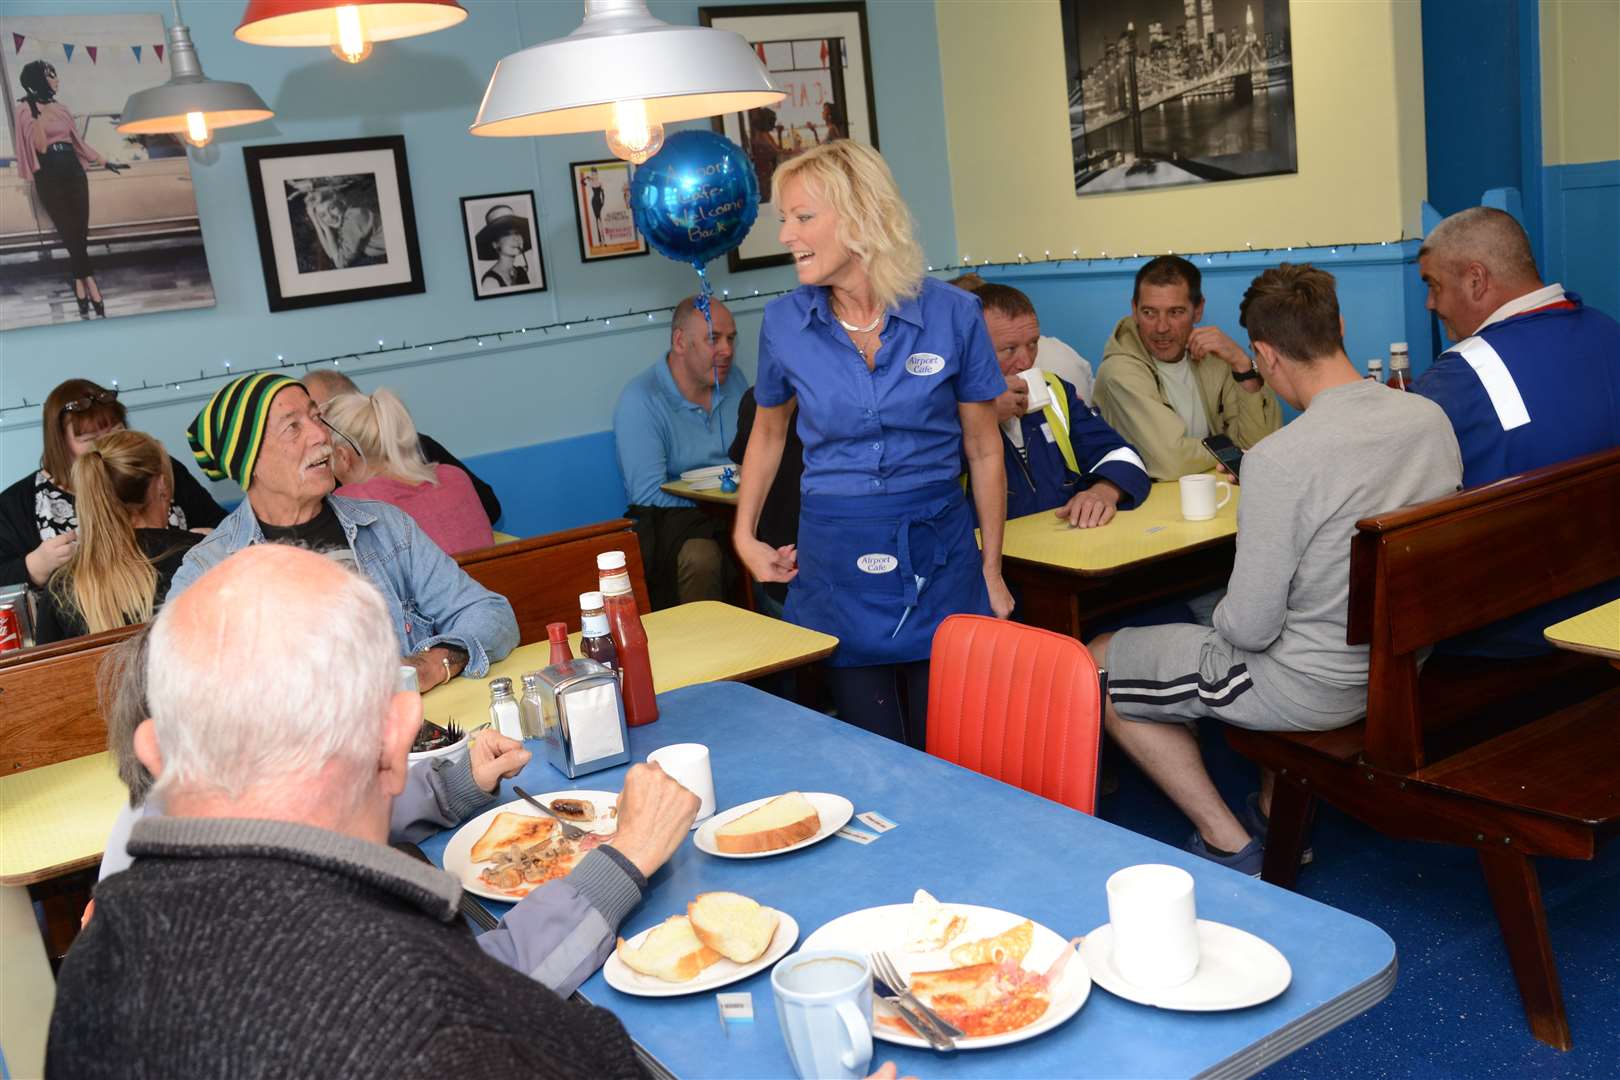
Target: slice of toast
[(1011, 944), (671, 952), (782, 822), (970, 987), (732, 925), (509, 829)]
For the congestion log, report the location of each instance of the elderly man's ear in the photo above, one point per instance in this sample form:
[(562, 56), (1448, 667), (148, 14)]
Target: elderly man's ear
[(400, 726), (146, 747)]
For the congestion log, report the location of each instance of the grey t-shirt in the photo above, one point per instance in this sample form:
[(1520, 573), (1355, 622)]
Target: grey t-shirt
[(1181, 387), (1358, 450)]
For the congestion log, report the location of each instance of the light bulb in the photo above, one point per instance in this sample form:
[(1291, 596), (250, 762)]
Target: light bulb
[(633, 137), (352, 46), (197, 133)]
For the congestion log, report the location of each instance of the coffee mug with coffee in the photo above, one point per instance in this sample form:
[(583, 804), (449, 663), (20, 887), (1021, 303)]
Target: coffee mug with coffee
[(824, 1006), (1198, 496), (1040, 394), (1155, 923)]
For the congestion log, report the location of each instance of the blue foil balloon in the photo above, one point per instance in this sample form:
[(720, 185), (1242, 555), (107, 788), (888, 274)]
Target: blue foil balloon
[(696, 198)]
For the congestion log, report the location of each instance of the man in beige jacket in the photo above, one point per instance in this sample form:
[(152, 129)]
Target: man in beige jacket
[(1166, 386)]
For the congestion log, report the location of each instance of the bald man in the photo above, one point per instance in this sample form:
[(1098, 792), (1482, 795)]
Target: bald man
[(1533, 379)]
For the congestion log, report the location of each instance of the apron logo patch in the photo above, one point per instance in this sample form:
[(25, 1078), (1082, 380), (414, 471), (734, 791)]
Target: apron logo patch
[(876, 563), (925, 363)]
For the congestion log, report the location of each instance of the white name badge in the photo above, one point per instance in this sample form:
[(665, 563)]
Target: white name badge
[(1046, 429), (925, 363), (876, 563)]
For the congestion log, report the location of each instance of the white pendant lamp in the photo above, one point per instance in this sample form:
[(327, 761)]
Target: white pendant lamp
[(190, 104), (625, 73)]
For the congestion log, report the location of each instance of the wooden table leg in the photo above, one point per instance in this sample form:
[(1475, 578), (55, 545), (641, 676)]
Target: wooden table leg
[(1516, 893), (27, 988)]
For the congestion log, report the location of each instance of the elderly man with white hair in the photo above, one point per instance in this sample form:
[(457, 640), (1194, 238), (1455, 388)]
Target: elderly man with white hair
[(264, 902)]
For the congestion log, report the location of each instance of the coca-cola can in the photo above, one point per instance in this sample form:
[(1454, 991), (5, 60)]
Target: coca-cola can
[(10, 628)]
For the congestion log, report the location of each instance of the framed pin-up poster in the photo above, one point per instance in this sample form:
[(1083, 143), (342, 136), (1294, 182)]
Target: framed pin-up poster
[(606, 227)]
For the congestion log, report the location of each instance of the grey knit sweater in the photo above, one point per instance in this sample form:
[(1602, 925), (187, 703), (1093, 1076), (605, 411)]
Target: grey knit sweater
[(264, 949)]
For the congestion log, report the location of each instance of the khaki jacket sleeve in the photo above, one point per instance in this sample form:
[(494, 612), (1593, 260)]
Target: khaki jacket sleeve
[(1129, 399), (1247, 417)]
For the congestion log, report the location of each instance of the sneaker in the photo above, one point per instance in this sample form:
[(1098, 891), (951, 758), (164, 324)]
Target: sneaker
[(1248, 861), (1260, 826)]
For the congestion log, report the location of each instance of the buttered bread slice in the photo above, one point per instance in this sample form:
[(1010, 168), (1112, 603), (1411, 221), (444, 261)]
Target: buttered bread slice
[(671, 951), (782, 822), (733, 925)]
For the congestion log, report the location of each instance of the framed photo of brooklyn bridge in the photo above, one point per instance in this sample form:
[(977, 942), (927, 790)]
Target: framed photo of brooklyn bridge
[(1170, 92)]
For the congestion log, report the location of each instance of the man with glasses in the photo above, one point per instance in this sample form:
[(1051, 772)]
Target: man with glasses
[(265, 432)]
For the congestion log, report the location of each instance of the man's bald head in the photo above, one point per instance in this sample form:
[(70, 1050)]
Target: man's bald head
[(1474, 262), (324, 384)]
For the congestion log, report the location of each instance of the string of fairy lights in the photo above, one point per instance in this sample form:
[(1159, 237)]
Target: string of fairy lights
[(386, 354)]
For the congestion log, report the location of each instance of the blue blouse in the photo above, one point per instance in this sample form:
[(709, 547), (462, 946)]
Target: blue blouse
[(894, 428)]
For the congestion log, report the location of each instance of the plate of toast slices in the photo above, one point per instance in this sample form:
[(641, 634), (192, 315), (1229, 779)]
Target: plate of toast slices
[(721, 938), (1000, 977), (508, 851), (774, 825)]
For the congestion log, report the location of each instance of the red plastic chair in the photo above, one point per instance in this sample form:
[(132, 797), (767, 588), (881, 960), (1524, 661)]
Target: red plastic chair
[(1020, 705)]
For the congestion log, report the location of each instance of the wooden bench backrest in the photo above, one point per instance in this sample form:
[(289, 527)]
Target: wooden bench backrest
[(544, 575), (1427, 573), (49, 711)]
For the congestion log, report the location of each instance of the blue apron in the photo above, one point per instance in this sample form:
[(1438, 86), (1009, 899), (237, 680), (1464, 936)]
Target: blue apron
[(880, 572)]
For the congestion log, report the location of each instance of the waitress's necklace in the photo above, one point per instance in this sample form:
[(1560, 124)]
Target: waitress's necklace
[(867, 329)]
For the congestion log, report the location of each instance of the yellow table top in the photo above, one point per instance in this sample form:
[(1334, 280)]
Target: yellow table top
[(708, 495), (1151, 531), (506, 538), (1596, 631), (57, 818), (693, 643)]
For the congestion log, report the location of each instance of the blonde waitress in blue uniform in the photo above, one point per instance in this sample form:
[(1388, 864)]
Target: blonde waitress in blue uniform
[(895, 380)]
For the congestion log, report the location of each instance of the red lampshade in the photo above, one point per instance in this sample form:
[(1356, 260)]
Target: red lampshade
[(314, 22)]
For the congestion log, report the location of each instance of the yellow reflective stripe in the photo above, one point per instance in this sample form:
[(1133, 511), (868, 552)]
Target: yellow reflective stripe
[(1058, 420)]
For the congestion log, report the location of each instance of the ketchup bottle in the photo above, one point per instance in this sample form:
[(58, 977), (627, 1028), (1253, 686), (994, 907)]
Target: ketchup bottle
[(640, 704), (560, 652)]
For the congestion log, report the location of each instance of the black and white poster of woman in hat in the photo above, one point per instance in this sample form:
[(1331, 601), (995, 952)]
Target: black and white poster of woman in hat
[(503, 244)]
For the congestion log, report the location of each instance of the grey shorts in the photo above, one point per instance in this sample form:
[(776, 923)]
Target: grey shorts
[(1180, 672)]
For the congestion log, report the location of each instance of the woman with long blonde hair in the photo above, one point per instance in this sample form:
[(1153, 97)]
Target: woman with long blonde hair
[(895, 380), (378, 455), (127, 551)]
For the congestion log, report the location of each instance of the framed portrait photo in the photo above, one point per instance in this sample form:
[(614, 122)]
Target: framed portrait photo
[(335, 220), (503, 244), (819, 54), (607, 228)]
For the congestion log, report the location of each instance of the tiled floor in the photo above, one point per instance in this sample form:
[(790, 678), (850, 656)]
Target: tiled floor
[(141, 278)]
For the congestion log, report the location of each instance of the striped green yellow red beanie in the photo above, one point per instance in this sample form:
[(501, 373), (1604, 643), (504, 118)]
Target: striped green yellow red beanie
[(225, 437)]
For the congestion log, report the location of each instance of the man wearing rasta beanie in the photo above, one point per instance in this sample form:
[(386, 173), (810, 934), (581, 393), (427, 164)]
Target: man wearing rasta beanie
[(264, 432)]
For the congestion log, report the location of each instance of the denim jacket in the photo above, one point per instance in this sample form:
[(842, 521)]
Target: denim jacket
[(430, 599)]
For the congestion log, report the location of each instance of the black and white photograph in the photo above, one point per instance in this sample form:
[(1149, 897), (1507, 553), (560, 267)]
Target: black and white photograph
[(335, 221), (503, 244), (819, 54), (94, 224), (1170, 92)]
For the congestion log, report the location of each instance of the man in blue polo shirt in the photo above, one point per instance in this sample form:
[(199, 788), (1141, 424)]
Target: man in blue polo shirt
[(680, 414), (1533, 380)]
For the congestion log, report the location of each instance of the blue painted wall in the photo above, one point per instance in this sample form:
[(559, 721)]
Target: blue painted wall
[(1582, 214), (1471, 65)]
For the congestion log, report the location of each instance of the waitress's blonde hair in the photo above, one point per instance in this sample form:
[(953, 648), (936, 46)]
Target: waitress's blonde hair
[(873, 221), (382, 428)]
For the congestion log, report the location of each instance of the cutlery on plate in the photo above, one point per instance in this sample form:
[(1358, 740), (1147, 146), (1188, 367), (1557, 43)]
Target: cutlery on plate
[(939, 1032), (570, 831)]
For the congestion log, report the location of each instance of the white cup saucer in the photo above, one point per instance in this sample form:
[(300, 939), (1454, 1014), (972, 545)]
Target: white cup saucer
[(1235, 970)]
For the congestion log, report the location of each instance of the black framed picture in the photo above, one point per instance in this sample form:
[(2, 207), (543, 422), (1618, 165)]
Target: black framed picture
[(602, 217), (503, 244), (336, 222), (819, 54)]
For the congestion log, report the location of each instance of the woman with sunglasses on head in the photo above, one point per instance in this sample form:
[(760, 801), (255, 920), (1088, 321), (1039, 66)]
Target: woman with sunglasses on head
[(127, 552), (38, 518), (52, 154)]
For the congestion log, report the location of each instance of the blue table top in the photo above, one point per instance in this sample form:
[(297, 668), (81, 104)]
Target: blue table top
[(968, 839)]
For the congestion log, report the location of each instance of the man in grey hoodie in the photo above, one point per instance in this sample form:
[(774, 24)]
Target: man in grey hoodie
[(1276, 657)]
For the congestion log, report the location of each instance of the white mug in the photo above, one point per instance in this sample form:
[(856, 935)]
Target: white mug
[(687, 764), (1198, 496), (1155, 922), (824, 1007), (1040, 394)]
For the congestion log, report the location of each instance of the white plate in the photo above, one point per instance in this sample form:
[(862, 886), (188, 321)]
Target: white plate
[(884, 928), (621, 977), (707, 472), (1235, 970), (834, 811), (458, 852)]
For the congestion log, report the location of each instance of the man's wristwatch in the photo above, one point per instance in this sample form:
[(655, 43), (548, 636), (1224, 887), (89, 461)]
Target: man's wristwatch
[(1247, 376)]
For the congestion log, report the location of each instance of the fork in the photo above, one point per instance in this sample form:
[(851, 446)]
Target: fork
[(570, 831), (944, 1031)]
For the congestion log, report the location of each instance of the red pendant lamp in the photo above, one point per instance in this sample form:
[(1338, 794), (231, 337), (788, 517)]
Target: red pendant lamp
[(349, 27)]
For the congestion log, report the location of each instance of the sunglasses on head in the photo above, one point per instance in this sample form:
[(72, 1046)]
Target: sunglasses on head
[(89, 401)]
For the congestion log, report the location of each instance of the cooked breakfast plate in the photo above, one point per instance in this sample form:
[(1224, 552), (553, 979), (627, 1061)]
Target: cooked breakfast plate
[(989, 970), (469, 853), (1235, 970), (706, 478), (621, 977), (786, 822)]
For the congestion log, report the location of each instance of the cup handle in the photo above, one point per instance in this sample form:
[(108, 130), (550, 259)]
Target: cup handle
[(1224, 498), (859, 1054)]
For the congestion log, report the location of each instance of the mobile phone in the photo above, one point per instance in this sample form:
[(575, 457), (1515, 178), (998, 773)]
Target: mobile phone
[(1226, 452)]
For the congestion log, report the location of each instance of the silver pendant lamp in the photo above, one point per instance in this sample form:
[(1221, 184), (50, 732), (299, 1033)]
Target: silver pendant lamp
[(190, 104)]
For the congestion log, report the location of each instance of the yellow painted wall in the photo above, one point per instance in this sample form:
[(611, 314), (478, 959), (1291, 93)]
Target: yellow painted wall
[(1358, 94), (1580, 81)]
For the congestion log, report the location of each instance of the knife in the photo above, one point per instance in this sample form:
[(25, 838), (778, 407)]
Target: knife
[(921, 1018), (570, 831)]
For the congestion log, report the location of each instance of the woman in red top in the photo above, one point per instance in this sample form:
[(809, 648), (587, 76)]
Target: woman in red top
[(51, 153)]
